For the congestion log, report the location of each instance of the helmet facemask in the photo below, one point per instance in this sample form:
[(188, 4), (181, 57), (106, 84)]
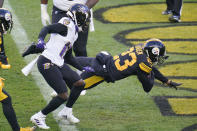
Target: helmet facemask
[(6, 22), (81, 15), (155, 50)]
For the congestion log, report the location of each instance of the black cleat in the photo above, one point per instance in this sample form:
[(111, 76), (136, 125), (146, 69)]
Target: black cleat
[(4, 62), (175, 19), (167, 12)]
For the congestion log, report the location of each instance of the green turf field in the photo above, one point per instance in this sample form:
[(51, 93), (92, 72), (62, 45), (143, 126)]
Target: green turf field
[(122, 106)]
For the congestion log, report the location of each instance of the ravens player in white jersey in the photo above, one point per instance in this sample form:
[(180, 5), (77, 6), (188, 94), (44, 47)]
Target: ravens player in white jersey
[(138, 60), (60, 7), (51, 63)]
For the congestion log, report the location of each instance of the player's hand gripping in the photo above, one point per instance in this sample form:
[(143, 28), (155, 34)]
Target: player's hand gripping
[(34, 48), (173, 84)]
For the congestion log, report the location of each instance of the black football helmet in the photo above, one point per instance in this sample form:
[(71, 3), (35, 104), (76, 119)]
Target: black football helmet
[(81, 15), (156, 51), (6, 22)]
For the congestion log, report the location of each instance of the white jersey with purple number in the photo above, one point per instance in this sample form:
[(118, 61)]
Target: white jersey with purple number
[(66, 4), (58, 45)]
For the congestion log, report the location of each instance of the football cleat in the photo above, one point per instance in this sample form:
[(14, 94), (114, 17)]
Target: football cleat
[(175, 19), (4, 62), (66, 114), (39, 120), (167, 12), (28, 128)]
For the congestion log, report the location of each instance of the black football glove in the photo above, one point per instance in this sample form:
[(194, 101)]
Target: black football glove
[(32, 49), (173, 84)]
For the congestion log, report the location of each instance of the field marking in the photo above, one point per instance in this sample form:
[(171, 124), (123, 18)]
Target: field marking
[(21, 40)]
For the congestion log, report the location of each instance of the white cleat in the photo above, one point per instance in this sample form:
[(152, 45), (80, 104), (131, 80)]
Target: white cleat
[(83, 92), (39, 120), (66, 114)]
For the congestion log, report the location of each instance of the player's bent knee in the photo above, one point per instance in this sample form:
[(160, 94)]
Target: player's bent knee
[(79, 83), (63, 96)]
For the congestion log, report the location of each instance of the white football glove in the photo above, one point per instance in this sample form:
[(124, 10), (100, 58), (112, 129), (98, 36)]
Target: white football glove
[(44, 15), (91, 22)]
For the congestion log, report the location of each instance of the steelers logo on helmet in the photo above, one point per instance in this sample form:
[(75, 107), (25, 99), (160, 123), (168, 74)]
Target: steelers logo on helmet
[(7, 16), (155, 51)]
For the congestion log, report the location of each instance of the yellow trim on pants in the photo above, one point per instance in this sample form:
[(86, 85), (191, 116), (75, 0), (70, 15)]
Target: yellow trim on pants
[(2, 95), (92, 80)]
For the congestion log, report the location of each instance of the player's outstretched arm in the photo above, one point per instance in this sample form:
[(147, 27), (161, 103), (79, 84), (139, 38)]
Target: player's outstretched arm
[(172, 84), (32, 49), (159, 76)]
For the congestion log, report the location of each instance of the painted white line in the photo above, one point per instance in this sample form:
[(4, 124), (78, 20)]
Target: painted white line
[(20, 37)]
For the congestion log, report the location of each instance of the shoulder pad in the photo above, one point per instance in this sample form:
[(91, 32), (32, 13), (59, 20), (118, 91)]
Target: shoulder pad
[(145, 68)]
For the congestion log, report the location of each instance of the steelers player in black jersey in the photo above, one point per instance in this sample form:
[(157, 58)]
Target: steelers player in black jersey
[(5, 26), (138, 60)]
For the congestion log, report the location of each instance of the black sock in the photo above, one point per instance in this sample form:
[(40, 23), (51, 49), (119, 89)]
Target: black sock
[(53, 104), (10, 114), (75, 93), (2, 51)]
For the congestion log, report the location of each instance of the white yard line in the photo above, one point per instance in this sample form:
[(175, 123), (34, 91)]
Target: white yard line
[(21, 39)]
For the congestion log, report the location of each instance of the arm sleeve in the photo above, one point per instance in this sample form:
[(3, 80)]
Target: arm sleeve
[(54, 28), (159, 76), (70, 59), (146, 79)]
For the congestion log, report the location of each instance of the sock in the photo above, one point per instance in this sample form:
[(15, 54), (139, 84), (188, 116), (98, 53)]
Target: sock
[(2, 51), (53, 104), (75, 92), (10, 114)]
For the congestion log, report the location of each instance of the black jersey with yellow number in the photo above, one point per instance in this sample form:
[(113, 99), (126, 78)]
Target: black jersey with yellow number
[(128, 63)]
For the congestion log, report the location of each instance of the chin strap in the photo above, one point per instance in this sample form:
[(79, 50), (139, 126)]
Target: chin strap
[(73, 17), (70, 15)]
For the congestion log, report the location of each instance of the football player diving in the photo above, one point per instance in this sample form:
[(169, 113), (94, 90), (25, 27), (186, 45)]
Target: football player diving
[(5, 26), (138, 60), (8, 110), (51, 63)]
